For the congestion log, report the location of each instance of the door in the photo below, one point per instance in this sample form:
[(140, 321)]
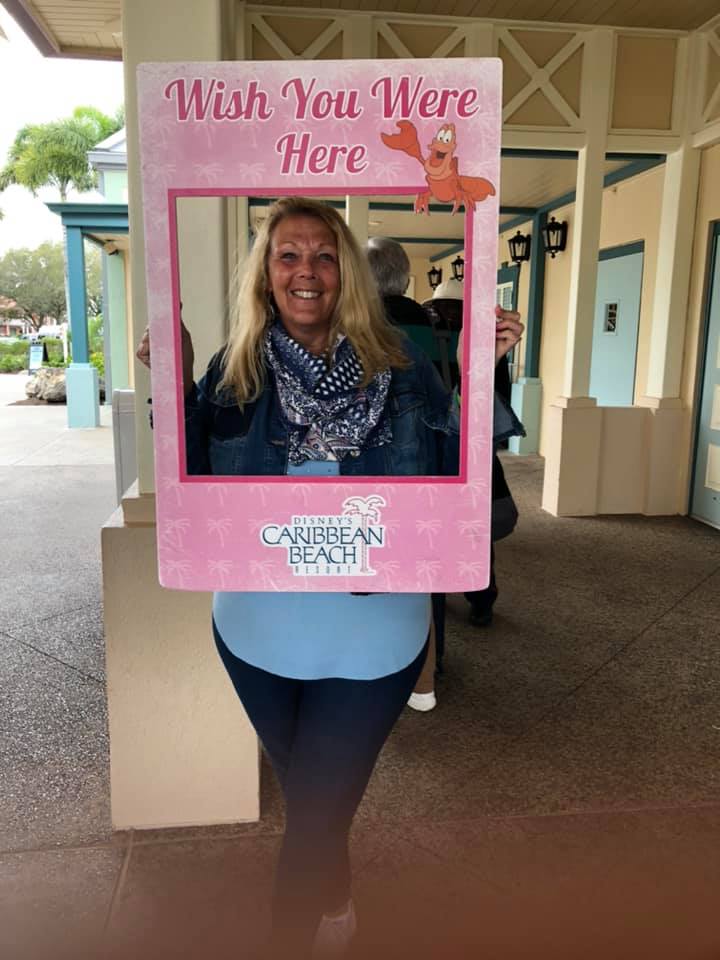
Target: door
[(615, 332), (706, 474)]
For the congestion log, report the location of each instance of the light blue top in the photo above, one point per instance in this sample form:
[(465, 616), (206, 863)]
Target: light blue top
[(314, 636)]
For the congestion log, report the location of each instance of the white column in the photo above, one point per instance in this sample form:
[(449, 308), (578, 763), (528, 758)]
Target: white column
[(358, 37), (672, 281), (585, 228), (573, 425), (163, 30), (181, 749), (356, 217), (667, 433), (480, 40)]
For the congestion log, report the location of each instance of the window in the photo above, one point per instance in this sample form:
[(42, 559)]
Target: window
[(611, 318), (504, 295)]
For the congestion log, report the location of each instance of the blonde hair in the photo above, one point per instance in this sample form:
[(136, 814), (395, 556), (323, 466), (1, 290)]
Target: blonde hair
[(358, 312)]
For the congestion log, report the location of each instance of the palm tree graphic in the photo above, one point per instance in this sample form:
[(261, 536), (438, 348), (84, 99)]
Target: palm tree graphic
[(470, 568), (220, 568), (172, 483), (429, 527), (387, 569), (219, 490), (430, 491), (367, 508), (178, 569), (221, 526), (176, 529), (301, 490), (471, 529), (428, 569), (263, 568)]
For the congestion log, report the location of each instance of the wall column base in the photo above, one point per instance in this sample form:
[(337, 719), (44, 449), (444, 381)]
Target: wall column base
[(666, 435), (182, 751), (83, 395), (526, 402), (572, 457)]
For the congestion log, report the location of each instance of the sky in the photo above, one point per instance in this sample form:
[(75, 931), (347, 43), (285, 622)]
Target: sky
[(36, 89)]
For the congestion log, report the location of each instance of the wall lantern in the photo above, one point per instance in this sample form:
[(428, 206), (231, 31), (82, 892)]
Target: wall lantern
[(555, 236), (434, 277), (458, 268), (520, 247)]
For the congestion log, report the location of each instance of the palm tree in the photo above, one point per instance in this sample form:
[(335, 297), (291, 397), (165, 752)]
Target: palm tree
[(367, 509), (55, 154)]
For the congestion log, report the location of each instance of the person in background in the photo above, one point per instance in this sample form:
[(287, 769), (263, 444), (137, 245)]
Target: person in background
[(314, 381), (435, 327), (445, 310), (390, 267)]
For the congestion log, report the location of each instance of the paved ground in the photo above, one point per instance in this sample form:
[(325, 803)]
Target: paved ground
[(562, 802)]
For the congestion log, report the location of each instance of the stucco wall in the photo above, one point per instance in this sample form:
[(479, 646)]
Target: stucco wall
[(708, 211), (631, 212)]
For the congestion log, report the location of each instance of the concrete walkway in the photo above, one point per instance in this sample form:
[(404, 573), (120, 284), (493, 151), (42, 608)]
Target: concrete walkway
[(38, 436), (563, 800)]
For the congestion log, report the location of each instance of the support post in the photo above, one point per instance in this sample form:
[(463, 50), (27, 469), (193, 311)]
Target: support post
[(81, 379), (527, 391), (573, 423), (356, 217)]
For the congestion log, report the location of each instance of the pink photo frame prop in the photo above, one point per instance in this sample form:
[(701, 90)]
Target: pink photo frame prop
[(316, 129)]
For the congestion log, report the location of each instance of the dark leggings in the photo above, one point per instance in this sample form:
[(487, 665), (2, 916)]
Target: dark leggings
[(323, 738)]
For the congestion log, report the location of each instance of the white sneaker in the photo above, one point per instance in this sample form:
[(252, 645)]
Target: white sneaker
[(334, 934), (423, 701)]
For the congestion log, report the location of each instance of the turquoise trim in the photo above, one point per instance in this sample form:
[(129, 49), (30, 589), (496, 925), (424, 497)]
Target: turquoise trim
[(457, 247), (77, 293), (536, 298), (434, 240), (708, 291), (510, 274), (98, 217), (624, 250), (526, 401), (609, 180), (515, 222), (115, 317)]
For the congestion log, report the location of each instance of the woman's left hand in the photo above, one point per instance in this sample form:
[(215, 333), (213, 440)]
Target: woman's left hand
[(508, 331)]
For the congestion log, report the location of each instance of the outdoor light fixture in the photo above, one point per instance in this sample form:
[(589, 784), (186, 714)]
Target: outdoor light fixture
[(520, 247), (458, 268), (555, 236), (434, 277)]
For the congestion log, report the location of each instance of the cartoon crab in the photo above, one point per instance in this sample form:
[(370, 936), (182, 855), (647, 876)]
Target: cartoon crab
[(441, 168)]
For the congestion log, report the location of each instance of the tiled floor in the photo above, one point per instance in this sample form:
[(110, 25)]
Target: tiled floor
[(562, 802)]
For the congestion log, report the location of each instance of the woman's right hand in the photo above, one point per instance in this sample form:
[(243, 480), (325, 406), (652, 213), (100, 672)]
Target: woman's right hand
[(188, 354)]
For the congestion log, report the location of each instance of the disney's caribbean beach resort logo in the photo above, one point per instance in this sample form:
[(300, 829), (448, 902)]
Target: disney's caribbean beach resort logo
[(331, 546)]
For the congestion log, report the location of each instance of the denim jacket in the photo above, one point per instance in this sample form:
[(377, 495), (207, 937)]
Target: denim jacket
[(221, 439)]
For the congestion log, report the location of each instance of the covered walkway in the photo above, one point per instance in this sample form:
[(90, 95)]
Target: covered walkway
[(562, 801)]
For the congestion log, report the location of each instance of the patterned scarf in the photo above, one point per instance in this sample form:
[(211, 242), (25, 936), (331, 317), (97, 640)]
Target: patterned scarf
[(329, 415)]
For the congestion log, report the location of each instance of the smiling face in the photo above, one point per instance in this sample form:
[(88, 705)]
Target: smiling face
[(304, 278), (441, 153)]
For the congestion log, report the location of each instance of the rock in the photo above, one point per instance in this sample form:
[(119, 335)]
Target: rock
[(53, 389), (49, 384), (31, 388)]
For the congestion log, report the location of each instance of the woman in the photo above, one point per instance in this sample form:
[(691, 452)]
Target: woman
[(315, 382)]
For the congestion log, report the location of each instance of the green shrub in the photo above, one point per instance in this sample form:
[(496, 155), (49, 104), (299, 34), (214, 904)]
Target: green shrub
[(95, 334), (10, 364), (98, 361), (54, 352), (18, 349)]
